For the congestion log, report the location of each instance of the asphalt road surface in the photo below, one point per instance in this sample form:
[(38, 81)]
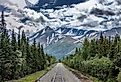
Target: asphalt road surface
[(59, 74)]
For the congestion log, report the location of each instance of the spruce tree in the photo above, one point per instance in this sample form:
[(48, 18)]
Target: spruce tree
[(17, 57), (6, 57), (85, 49), (29, 57), (13, 41), (39, 57), (3, 24), (19, 40), (43, 58), (92, 50)]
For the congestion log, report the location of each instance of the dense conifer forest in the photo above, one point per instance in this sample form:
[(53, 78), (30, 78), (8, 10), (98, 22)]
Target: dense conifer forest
[(18, 57), (100, 58)]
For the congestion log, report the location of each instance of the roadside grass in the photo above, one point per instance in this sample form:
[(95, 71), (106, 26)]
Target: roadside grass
[(35, 76)]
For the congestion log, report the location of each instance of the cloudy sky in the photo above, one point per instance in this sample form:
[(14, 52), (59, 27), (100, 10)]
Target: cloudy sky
[(19, 3)]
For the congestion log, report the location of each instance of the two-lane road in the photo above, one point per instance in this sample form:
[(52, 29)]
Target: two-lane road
[(59, 74)]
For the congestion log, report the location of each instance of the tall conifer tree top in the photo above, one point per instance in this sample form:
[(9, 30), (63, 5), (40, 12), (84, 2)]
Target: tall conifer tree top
[(3, 24)]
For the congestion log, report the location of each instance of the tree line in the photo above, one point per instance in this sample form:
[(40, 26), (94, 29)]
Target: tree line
[(18, 57), (100, 58)]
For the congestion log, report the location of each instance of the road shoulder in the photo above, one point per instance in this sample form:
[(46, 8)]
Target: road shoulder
[(79, 75)]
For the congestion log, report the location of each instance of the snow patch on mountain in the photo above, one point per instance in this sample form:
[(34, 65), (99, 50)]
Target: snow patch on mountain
[(98, 15), (56, 27), (33, 1)]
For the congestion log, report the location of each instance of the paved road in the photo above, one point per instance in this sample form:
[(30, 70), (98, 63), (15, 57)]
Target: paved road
[(59, 74)]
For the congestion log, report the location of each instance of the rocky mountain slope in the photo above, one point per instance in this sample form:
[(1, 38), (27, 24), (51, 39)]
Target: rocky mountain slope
[(56, 23)]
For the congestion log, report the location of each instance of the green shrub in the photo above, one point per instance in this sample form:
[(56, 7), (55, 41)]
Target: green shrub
[(111, 80), (119, 77), (101, 68)]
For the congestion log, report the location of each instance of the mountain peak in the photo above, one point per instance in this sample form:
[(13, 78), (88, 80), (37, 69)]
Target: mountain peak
[(52, 26)]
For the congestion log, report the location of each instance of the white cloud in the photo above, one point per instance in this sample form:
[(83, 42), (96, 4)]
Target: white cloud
[(19, 3)]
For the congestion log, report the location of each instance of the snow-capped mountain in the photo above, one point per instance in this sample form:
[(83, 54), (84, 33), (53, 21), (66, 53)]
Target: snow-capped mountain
[(54, 22)]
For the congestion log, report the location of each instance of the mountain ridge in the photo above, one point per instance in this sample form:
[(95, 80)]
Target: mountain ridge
[(77, 21)]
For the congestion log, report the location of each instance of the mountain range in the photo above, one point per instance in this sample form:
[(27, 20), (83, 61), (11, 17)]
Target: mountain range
[(60, 25)]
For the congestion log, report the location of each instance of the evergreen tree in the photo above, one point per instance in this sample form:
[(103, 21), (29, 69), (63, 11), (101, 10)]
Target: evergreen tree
[(102, 54), (92, 51), (43, 58), (29, 57), (5, 57), (3, 24), (23, 43), (39, 57), (19, 58), (85, 49), (19, 40), (13, 41)]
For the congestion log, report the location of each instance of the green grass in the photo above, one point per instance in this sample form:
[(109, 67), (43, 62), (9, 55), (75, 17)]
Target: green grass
[(33, 77)]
